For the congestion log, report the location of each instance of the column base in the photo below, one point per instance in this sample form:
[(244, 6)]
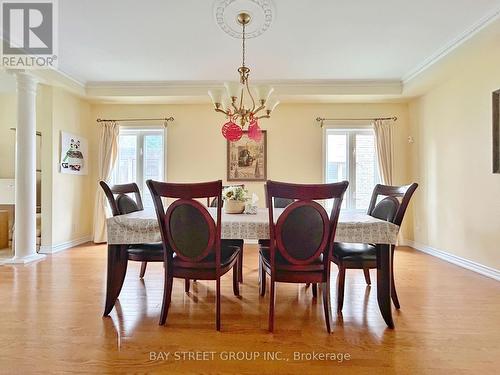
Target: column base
[(23, 260)]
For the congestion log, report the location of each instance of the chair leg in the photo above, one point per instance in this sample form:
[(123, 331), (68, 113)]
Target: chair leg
[(394, 295), (186, 285), (366, 271), (217, 308), (340, 288), (315, 290), (262, 278), (327, 305), (236, 281), (240, 266), (271, 305), (167, 296), (143, 269)]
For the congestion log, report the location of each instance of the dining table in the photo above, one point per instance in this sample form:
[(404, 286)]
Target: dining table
[(354, 227)]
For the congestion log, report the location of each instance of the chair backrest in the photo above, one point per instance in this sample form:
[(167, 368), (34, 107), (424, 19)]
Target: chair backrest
[(215, 201), (393, 192), (186, 227), (304, 230), (119, 200)]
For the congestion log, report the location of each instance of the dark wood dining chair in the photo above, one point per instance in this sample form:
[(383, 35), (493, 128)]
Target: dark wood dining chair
[(278, 202), (301, 239), (387, 203), (230, 242), (192, 238), (121, 203)]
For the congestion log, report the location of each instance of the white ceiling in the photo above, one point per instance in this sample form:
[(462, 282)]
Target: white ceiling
[(167, 40)]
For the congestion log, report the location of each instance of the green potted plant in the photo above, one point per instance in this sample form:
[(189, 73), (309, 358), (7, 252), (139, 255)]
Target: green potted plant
[(234, 199)]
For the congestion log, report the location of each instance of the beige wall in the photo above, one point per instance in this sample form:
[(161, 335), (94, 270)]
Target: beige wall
[(8, 118), (196, 150), (457, 208), (72, 198), (66, 212)]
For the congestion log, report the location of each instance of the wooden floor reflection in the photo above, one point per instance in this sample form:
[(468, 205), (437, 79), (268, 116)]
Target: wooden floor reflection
[(51, 321)]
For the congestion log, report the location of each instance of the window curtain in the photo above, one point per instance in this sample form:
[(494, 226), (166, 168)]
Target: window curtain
[(108, 150), (383, 146)]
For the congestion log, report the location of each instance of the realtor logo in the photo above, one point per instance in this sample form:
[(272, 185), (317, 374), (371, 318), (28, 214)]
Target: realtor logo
[(28, 33)]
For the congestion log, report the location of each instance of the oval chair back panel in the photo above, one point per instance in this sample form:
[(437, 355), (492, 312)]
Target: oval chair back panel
[(302, 232), (190, 229)]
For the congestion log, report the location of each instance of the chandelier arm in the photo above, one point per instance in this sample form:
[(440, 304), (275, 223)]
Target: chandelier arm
[(241, 101), (259, 109), (222, 111), (236, 110)]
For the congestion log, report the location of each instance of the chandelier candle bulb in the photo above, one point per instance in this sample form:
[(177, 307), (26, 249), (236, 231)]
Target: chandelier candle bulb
[(233, 89), (264, 92), (272, 104), (216, 96)]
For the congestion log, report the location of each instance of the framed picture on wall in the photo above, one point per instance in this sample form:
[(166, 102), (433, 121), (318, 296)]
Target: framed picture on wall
[(74, 158), (496, 131), (247, 159)]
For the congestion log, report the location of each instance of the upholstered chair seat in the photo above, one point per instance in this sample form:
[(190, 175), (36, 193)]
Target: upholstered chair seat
[(227, 255), (149, 249), (355, 251), (284, 265)]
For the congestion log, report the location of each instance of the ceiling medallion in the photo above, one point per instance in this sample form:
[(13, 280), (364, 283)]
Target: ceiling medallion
[(226, 13), (241, 103)]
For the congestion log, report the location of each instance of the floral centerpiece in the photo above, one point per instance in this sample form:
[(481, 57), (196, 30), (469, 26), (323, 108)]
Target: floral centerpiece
[(234, 199)]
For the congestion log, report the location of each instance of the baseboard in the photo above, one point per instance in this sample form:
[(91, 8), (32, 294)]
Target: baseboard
[(52, 249), (459, 261)]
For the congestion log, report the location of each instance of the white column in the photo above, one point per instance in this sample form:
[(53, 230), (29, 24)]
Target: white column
[(25, 200)]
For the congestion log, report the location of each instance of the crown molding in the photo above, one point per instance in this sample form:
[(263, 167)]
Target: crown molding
[(284, 89), (449, 47), (57, 78)]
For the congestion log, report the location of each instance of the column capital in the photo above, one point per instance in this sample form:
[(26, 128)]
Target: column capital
[(26, 82)]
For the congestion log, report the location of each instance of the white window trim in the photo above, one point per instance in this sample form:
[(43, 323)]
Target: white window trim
[(351, 125), (139, 127)]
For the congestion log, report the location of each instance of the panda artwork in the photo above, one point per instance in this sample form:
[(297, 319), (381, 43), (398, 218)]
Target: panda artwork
[(74, 157), (73, 154)]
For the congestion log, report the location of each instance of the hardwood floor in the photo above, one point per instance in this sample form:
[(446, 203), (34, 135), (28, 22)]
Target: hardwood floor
[(51, 321)]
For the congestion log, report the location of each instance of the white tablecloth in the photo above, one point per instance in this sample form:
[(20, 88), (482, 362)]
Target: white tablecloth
[(142, 227)]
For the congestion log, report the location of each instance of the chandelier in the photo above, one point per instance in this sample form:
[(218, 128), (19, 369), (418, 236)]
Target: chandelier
[(242, 104)]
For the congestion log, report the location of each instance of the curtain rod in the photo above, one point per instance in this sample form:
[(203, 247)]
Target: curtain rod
[(321, 120), (138, 119)]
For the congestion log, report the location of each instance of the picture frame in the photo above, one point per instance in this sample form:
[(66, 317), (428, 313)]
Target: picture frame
[(74, 154), (247, 159), (496, 131)]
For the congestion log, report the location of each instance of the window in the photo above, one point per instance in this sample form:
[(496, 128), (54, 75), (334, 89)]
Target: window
[(140, 157), (350, 155)]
